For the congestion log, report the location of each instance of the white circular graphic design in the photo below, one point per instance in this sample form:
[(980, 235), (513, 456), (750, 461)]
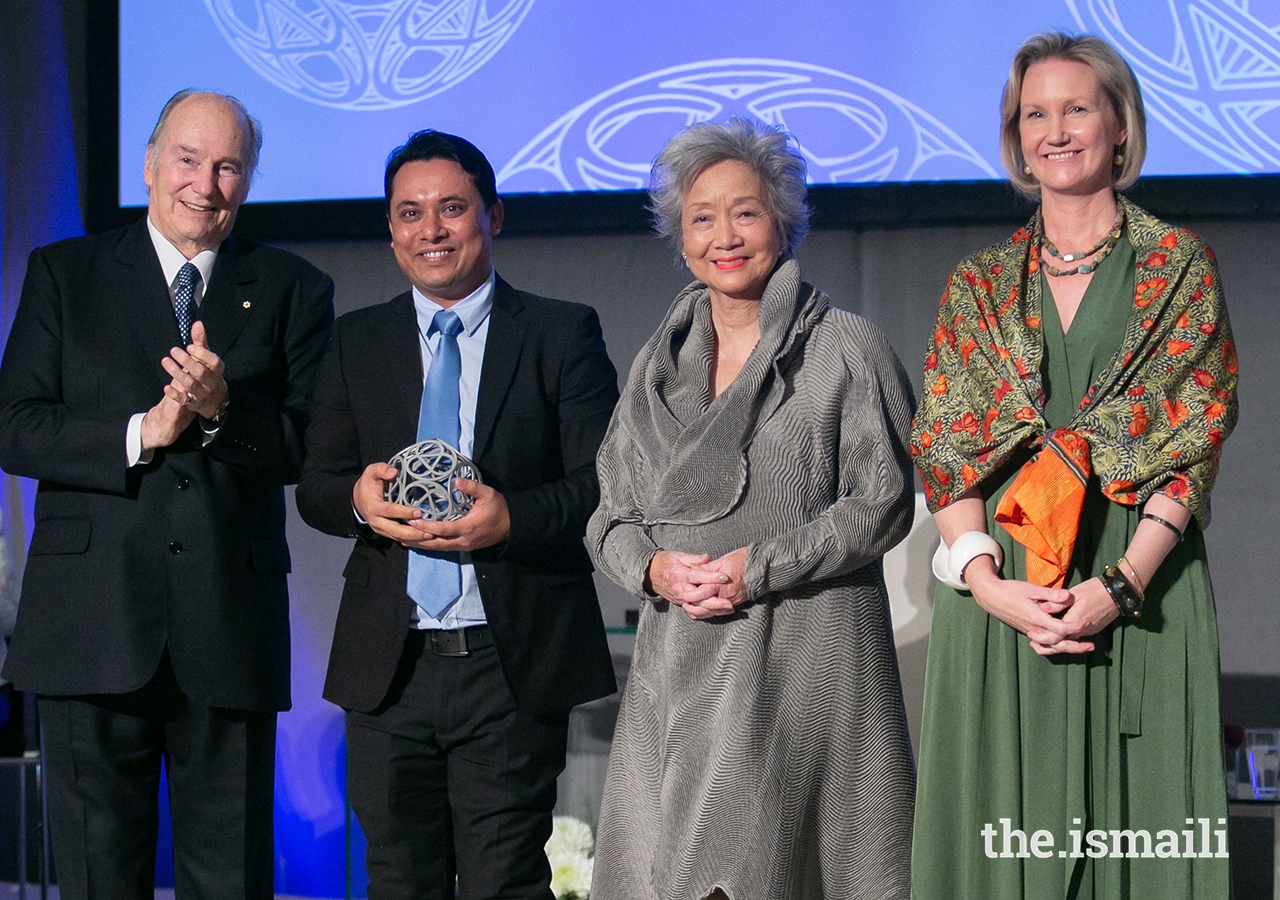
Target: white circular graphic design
[(848, 129), (367, 54), (1210, 71)]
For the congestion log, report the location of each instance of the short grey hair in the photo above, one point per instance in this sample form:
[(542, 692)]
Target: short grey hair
[(252, 137), (768, 151), (1119, 85)]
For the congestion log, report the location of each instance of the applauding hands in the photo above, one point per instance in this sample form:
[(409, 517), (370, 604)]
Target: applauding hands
[(198, 388)]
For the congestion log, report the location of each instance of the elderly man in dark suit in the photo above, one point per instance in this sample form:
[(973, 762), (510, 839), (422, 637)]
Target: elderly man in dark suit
[(156, 382), (460, 646)]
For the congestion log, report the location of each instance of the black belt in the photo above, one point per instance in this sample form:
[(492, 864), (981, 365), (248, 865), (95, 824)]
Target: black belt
[(459, 641)]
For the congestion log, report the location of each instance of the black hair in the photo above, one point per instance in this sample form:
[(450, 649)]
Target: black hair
[(432, 144)]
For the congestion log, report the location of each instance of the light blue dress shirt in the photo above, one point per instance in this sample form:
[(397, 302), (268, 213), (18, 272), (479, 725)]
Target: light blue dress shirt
[(473, 310)]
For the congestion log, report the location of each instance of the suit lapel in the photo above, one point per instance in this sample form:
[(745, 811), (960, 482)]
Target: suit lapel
[(399, 346), (230, 297), (502, 349), (146, 295)]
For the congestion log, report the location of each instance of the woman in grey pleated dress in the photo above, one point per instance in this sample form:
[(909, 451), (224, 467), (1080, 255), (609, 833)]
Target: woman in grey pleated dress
[(755, 472)]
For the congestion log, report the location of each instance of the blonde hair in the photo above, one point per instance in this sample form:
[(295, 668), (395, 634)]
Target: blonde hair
[(1119, 85)]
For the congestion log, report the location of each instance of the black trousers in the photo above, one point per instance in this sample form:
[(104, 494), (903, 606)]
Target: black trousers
[(102, 756), (448, 778)]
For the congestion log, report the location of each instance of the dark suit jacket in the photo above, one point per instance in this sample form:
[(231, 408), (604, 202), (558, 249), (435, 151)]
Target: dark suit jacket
[(547, 390), (186, 551)]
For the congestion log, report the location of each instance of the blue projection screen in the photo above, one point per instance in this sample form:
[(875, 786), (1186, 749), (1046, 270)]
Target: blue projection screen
[(579, 95)]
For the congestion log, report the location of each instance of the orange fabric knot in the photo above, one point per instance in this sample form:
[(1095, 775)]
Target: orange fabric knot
[(1041, 509)]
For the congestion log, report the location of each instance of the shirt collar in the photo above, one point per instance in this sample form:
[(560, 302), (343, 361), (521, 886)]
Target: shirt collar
[(171, 258), (472, 309)]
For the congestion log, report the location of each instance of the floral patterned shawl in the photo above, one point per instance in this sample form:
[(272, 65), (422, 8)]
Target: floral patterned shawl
[(1157, 415)]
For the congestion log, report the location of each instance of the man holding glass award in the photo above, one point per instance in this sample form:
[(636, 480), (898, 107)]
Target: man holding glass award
[(461, 643)]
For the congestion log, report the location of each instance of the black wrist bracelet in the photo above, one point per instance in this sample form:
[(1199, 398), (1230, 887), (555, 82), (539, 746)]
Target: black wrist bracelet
[(1166, 523), (1122, 592), (1106, 583)]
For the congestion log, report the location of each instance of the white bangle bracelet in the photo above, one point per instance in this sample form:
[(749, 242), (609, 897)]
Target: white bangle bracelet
[(949, 565)]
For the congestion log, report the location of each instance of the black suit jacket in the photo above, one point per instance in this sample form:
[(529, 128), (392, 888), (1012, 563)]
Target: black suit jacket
[(188, 550), (547, 389)]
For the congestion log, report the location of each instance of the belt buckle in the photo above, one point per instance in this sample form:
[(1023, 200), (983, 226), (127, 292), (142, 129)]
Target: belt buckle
[(452, 643)]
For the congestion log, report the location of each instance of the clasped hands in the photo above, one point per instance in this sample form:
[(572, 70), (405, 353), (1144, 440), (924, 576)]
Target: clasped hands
[(198, 388), (1055, 620), (488, 522), (701, 586)]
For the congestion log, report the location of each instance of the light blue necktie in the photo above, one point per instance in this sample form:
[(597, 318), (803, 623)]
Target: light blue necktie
[(184, 299), (435, 579)]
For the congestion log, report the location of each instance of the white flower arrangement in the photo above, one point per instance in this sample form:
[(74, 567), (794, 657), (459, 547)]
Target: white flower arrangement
[(569, 850)]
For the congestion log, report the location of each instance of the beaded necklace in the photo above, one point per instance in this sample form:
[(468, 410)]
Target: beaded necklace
[(1102, 249)]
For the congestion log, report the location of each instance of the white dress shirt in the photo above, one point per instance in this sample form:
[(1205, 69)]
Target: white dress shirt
[(171, 260)]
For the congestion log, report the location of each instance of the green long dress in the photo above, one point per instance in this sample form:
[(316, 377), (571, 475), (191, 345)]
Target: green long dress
[(1125, 737)]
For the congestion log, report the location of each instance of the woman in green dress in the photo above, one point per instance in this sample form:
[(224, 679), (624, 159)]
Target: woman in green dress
[(1078, 388)]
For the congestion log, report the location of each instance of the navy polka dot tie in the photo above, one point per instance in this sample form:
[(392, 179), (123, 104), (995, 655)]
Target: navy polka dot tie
[(184, 299)]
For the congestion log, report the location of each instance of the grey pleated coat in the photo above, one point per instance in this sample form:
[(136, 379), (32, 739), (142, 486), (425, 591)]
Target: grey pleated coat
[(765, 752)]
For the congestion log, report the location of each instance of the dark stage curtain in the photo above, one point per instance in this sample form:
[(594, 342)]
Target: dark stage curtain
[(39, 203)]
